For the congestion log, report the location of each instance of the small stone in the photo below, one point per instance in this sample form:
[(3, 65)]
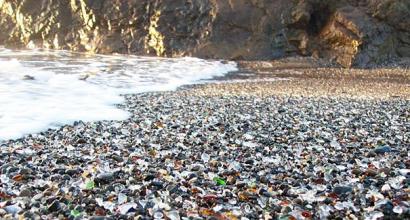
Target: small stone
[(385, 188), (13, 209), (210, 198), (335, 145), (54, 206), (122, 198), (264, 179), (100, 218), (18, 178), (205, 157), (173, 215), (157, 184), (104, 178), (398, 209), (197, 167), (356, 171), (371, 154), (149, 177), (339, 190), (72, 172), (38, 196), (371, 172), (28, 77), (29, 215), (81, 141), (25, 171), (404, 172), (249, 161), (158, 215), (383, 150), (387, 208), (125, 208), (117, 158), (386, 171), (26, 193)]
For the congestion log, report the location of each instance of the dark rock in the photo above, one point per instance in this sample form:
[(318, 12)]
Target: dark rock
[(264, 179), (81, 141), (26, 193), (28, 215), (340, 190), (360, 33), (328, 201), (196, 168), (371, 172), (104, 178), (11, 170), (54, 206), (72, 172), (406, 182), (371, 154), (149, 177), (28, 77), (249, 161), (385, 171), (100, 218), (383, 149), (25, 171), (117, 158), (157, 184), (387, 208), (356, 172)]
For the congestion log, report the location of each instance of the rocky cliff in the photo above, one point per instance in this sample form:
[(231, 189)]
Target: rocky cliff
[(349, 32)]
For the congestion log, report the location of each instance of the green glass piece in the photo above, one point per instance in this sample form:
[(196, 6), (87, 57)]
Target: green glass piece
[(219, 181), (75, 213), (284, 217), (90, 185)]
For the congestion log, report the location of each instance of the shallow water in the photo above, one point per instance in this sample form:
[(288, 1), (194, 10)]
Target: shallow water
[(42, 89)]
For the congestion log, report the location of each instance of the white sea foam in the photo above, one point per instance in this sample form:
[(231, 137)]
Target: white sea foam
[(46, 89)]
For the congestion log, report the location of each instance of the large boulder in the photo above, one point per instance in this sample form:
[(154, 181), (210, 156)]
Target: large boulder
[(351, 37), (349, 32), (395, 13)]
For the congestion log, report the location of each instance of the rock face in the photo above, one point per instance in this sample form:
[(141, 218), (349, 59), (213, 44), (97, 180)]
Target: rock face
[(350, 32)]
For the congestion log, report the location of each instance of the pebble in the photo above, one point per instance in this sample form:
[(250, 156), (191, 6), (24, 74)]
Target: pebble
[(405, 172), (12, 209), (383, 149), (339, 190), (28, 77), (54, 206), (72, 172), (26, 193), (104, 178)]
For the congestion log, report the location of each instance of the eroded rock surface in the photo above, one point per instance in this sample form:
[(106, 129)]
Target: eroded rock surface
[(349, 32)]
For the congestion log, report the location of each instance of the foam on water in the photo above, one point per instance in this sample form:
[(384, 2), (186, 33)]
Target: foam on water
[(68, 87)]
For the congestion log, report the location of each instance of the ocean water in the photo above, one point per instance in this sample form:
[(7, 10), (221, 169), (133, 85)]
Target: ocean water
[(41, 89)]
